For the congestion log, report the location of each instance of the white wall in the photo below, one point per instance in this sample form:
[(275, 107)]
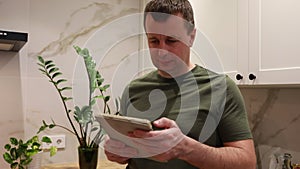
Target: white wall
[(13, 17)]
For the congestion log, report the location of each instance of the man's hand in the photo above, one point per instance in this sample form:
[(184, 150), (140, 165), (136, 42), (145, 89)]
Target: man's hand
[(117, 151), (161, 145)]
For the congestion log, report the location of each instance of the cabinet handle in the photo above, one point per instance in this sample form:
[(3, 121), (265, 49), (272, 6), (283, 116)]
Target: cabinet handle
[(239, 77), (252, 76)]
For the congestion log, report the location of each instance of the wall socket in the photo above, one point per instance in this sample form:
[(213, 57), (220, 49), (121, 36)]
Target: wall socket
[(59, 141)]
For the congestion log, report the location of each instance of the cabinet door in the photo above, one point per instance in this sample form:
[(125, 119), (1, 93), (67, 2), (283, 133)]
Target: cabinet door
[(274, 47), (225, 23)]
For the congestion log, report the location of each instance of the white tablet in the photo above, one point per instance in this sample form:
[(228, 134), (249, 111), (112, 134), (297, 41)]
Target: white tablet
[(122, 124)]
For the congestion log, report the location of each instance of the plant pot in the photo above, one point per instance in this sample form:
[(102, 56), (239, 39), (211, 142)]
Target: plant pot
[(88, 157)]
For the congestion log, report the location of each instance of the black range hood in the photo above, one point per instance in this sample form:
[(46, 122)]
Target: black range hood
[(12, 41)]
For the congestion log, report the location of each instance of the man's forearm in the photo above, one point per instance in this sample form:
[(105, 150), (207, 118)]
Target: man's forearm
[(234, 155)]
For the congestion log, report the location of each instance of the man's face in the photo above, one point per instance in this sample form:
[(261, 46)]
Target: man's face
[(169, 43)]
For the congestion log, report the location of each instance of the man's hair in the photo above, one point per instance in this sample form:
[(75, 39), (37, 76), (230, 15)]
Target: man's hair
[(170, 7)]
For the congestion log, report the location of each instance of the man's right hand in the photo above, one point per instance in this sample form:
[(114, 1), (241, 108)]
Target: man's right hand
[(117, 151)]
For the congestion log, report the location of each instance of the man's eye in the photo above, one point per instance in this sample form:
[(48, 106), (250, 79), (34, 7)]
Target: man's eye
[(153, 41), (172, 40)]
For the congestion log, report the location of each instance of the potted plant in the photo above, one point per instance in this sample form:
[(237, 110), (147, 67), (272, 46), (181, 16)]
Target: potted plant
[(19, 154), (88, 132)]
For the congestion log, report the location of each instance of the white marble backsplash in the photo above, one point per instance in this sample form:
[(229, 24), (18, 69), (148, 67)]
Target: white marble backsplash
[(53, 33), (274, 116)]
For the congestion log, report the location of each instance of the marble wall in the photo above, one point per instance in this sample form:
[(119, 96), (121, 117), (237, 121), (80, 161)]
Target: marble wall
[(54, 26), (274, 115)]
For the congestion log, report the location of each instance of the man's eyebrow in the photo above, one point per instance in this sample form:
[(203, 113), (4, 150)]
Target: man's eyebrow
[(169, 36), (151, 37), (174, 36)]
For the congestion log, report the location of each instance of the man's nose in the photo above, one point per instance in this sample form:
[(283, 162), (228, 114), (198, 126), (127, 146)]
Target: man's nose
[(162, 50)]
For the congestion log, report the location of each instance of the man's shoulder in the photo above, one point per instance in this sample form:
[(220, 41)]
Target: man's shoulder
[(149, 77), (212, 77), (205, 73)]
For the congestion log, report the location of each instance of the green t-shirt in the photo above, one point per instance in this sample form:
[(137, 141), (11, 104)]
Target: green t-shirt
[(207, 107)]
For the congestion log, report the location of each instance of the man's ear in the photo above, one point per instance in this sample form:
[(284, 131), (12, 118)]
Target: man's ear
[(192, 37)]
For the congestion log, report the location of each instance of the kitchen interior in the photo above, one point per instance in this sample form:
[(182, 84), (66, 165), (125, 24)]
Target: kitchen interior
[(256, 42)]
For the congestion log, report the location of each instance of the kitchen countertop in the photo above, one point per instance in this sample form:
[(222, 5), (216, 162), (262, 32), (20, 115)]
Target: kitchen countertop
[(101, 165)]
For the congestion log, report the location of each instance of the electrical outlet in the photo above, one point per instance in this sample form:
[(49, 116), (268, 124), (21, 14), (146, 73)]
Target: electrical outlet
[(58, 141)]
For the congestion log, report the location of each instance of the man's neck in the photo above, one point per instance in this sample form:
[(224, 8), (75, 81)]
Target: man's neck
[(178, 73)]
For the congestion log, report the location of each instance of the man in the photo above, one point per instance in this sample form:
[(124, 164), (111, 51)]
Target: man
[(180, 97)]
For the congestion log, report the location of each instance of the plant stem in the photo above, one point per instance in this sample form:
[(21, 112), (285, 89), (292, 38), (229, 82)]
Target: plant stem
[(105, 103), (65, 107), (65, 128)]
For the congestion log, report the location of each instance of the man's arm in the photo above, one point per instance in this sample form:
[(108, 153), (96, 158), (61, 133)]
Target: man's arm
[(234, 155)]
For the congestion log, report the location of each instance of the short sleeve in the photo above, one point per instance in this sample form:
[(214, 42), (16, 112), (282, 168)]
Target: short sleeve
[(234, 124)]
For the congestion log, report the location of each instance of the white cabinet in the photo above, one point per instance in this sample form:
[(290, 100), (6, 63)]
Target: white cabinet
[(274, 41), (259, 37)]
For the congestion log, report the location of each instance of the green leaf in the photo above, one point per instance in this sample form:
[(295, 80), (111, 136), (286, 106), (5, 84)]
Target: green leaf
[(42, 128), (77, 49), (32, 152), (93, 101), (35, 139), (46, 139), (52, 126), (7, 158), (20, 142), (52, 70), (84, 53), (48, 62), (100, 81), (106, 87), (22, 148), (14, 141), (65, 88), (13, 153), (56, 74), (83, 115), (7, 147), (106, 99), (53, 150), (14, 165), (50, 66), (61, 80), (26, 161), (35, 146), (40, 58)]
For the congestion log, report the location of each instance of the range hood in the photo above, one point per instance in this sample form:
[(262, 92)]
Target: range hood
[(12, 41)]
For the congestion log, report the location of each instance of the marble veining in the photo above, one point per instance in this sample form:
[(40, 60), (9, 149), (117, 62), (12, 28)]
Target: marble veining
[(103, 16), (273, 116), (259, 117)]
